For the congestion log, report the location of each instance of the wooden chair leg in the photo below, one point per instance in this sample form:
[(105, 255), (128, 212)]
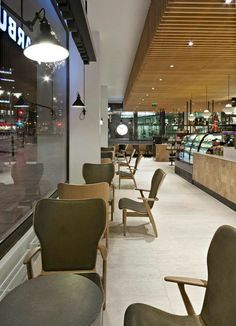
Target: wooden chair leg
[(135, 184), (112, 209), (124, 221), (151, 218), (104, 282)]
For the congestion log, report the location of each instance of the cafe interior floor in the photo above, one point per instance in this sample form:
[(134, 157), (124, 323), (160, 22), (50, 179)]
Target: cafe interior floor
[(186, 219)]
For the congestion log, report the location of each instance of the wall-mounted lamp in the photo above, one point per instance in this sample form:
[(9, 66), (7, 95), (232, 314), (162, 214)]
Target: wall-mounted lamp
[(24, 103), (80, 105), (45, 47), (78, 102)]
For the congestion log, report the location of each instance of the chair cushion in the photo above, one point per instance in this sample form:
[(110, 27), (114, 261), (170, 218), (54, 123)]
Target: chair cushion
[(140, 314), (126, 203), (94, 277), (124, 174)]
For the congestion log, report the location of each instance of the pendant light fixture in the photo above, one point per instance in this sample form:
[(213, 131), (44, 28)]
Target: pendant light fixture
[(78, 102), (191, 117), (206, 112), (22, 103), (228, 109), (45, 47)]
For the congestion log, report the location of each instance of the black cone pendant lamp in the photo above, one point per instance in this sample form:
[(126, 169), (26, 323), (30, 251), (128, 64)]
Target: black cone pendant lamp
[(22, 103), (78, 102), (45, 47)]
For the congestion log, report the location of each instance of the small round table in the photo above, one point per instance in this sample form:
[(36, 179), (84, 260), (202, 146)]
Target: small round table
[(53, 300)]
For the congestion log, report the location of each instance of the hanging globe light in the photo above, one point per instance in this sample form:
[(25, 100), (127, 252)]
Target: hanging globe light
[(228, 109), (191, 117), (206, 114)]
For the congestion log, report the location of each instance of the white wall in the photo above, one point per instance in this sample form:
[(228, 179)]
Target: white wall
[(104, 116), (84, 134)]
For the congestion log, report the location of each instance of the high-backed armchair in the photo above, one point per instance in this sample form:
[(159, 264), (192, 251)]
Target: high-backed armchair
[(95, 173), (220, 297), (69, 232), (134, 208)]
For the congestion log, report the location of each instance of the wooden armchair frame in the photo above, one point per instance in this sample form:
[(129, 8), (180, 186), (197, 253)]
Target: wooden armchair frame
[(145, 200), (132, 170)]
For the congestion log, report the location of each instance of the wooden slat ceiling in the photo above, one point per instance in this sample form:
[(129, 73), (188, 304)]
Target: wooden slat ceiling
[(170, 25)]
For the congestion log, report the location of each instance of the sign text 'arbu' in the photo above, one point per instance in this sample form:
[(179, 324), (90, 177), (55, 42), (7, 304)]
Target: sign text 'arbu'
[(16, 33)]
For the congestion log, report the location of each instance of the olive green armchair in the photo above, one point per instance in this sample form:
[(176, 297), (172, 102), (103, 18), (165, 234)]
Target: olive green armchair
[(220, 297), (104, 172), (69, 232), (131, 170)]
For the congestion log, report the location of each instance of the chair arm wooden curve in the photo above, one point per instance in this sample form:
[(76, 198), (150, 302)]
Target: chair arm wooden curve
[(140, 189), (148, 199), (186, 280), (181, 282), (28, 261), (103, 251)]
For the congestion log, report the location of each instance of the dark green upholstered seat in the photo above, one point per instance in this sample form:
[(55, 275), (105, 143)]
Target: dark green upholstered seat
[(126, 203), (124, 174), (95, 173), (219, 306), (143, 207), (143, 315)]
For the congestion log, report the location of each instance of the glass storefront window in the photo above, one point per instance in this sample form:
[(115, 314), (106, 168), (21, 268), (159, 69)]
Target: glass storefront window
[(33, 133)]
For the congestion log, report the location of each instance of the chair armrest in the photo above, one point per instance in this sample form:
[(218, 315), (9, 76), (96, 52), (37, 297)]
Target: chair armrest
[(148, 199), (147, 190), (103, 251), (28, 261), (181, 282), (186, 280), (30, 255)]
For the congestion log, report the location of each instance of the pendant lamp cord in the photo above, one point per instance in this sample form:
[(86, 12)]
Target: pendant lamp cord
[(228, 86)]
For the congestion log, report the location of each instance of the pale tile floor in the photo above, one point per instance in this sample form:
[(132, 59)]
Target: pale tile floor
[(186, 219)]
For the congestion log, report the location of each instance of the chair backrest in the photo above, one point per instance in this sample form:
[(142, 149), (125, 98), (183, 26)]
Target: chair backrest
[(132, 155), (69, 232), (108, 149), (85, 191), (219, 307), (108, 154), (94, 173), (137, 161), (28, 176), (157, 179)]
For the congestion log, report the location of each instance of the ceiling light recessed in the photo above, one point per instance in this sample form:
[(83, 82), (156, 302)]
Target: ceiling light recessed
[(153, 88), (147, 94), (190, 43), (172, 66), (161, 79)]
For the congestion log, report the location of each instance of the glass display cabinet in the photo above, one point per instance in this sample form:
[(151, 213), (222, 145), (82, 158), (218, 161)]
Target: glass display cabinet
[(196, 143)]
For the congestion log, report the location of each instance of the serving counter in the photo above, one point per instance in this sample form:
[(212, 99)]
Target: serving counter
[(217, 176)]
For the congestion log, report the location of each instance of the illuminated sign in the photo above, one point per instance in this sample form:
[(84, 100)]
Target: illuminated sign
[(16, 33)]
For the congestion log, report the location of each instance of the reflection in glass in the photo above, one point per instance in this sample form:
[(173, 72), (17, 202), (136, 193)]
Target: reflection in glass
[(32, 136)]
